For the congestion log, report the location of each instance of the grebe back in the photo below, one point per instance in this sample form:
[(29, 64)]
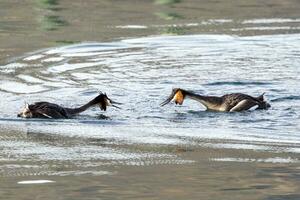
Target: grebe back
[(51, 110), (234, 102)]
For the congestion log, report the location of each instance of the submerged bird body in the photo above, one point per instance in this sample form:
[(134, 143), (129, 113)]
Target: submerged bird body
[(227, 103), (51, 110), (44, 110)]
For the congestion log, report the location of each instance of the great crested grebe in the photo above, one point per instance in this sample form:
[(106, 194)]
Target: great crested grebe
[(234, 102), (51, 110)]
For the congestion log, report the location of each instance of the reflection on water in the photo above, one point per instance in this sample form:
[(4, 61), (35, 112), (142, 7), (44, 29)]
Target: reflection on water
[(224, 154), (167, 2), (145, 151), (74, 20), (48, 4), (50, 21), (170, 14)]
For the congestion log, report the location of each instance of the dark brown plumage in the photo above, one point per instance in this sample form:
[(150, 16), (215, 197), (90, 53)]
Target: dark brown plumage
[(51, 110), (227, 103)]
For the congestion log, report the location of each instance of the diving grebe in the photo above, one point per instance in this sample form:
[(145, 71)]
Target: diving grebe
[(234, 102), (51, 110)]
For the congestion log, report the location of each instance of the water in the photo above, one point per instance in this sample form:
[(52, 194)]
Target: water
[(144, 150)]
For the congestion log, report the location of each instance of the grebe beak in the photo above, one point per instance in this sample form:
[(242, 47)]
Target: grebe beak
[(112, 103), (165, 102)]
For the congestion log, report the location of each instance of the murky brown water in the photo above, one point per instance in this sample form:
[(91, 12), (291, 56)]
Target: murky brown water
[(34, 24), (144, 151)]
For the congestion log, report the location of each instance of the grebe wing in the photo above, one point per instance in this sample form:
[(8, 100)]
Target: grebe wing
[(232, 100), (51, 113), (49, 110), (243, 105)]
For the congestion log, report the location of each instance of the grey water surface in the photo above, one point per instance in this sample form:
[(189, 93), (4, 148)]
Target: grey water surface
[(145, 151)]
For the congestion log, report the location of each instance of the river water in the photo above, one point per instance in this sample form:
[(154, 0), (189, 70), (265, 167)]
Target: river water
[(144, 150)]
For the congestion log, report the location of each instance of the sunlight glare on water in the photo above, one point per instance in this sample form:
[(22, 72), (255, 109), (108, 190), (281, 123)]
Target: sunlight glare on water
[(66, 51), (140, 73)]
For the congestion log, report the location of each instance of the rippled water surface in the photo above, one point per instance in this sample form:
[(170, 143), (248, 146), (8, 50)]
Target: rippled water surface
[(145, 151), (140, 73)]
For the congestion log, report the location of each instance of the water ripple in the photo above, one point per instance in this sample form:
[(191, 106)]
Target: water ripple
[(140, 73)]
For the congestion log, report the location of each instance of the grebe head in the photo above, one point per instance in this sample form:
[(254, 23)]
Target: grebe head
[(26, 112), (263, 103), (177, 96), (103, 101)]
